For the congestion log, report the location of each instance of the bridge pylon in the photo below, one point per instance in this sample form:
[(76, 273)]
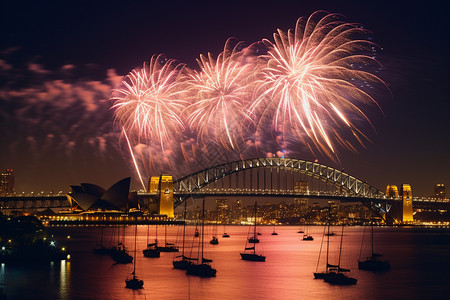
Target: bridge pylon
[(162, 186)]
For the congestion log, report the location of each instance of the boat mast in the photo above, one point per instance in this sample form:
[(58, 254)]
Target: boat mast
[(372, 236), (203, 226), (328, 236), (254, 232), (134, 264), (340, 248), (184, 228)]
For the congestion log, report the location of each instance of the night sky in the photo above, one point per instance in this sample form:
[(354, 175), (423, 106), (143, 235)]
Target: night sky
[(59, 61)]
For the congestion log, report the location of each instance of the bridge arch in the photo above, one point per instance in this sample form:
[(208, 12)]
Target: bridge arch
[(343, 181)]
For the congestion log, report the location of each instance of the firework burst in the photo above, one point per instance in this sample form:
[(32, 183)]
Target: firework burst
[(220, 94), (148, 103), (309, 85)]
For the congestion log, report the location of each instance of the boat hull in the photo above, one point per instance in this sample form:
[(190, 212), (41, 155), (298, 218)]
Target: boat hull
[(122, 257), (202, 270), (374, 265), (181, 264), (151, 253), (167, 249), (134, 284), (339, 279), (319, 275), (253, 257)]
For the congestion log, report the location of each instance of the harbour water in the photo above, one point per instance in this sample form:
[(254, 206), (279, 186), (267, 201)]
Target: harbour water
[(419, 257)]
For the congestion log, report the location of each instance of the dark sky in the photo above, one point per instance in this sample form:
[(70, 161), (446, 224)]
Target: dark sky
[(59, 60)]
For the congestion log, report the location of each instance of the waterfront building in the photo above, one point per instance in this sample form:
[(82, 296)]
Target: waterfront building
[(300, 207), (7, 183), (439, 191), (222, 210)]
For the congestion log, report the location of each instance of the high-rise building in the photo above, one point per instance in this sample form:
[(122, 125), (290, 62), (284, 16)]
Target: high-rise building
[(406, 195), (222, 210), (439, 191), (237, 211), (7, 183), (392, 191), (300, 207)]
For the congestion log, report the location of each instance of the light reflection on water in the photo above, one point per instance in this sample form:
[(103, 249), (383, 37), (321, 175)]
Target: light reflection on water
[(419, 259)]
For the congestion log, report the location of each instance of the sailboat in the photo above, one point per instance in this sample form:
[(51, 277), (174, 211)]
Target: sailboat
[(151, 250), (337, 276), (252, 255), (168, 247), (100, 249), (333, 274), (202, 268), (181, 261), (225, 234), (374, 262), (119, 254), (214, 240), (307, 236), (134, 283), (274, 232)]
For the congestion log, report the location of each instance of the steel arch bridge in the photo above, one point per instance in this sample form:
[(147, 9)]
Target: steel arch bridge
[(347, 188)]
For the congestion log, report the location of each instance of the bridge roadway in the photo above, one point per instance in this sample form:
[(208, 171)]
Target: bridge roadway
[(60, 201)]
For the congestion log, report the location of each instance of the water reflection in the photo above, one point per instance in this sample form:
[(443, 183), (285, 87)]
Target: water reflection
[(64, 280), (420, 262)]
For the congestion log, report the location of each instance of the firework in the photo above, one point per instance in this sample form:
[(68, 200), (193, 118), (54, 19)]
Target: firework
[(308, 87), (148, 102), (220, 94)]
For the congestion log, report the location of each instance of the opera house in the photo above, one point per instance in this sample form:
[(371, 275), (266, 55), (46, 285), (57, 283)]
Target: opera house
[(92, 203)]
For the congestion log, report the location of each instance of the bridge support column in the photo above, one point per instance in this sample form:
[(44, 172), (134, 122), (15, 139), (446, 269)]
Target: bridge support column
[(406, 195)]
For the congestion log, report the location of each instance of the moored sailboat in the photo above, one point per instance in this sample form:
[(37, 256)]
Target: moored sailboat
[(307, 236), (274, 232), (100, 249), (182, 262), (152, 248), (202, 267), (250, 252), (120, 254), (336, 276), (168, 247), (134, 282), (373, 262), (333, 274)]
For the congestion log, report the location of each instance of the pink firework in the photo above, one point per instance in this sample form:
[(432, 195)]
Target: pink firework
[(148, 103), (314, 82), (220, 95)]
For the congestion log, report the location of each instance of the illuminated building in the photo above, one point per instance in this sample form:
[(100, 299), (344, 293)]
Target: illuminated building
[(392, 191), (7, 183), (236, 211), (406, 195), (166, 195), (91, 197), (300, 206), (439, 191), (222, 210)]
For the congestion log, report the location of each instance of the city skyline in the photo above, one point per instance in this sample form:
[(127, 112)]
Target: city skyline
[(58, 68)]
